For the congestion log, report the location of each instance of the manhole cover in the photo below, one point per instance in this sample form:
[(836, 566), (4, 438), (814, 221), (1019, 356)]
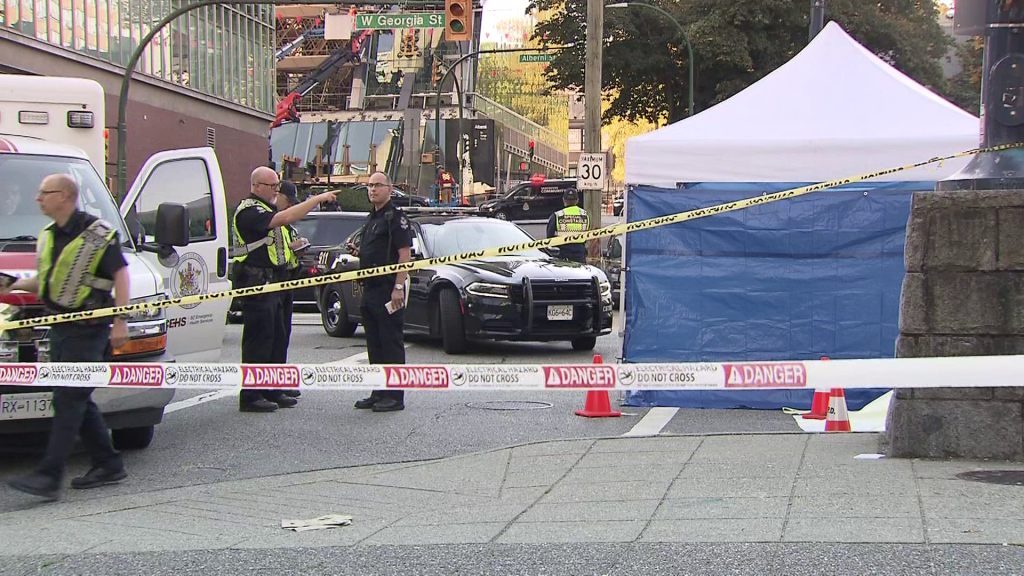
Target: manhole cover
[(1004, 477), (511, 405)]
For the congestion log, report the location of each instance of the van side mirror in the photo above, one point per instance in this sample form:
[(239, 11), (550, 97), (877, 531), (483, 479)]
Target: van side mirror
[(172, 225)]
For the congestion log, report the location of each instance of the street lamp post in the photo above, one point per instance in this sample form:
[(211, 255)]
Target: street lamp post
[(682, 32)]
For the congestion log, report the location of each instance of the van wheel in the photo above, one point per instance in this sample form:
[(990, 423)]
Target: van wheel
[(453, 332), (334, 316), (132, 438), (584, 343)]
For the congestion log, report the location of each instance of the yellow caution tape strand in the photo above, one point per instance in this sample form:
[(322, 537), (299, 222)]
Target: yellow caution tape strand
[(613, 230)]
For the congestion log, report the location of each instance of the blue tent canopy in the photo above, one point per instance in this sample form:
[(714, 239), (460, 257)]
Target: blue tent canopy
[(799, 279)]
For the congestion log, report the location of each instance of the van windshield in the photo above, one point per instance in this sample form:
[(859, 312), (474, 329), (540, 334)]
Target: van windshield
[(20, 218)]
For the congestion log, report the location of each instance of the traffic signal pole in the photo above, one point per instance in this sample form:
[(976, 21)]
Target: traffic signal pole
[(437, 104)]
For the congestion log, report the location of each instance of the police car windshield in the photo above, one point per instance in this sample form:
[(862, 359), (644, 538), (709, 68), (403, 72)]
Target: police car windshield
[(22, 173), (470, 235)]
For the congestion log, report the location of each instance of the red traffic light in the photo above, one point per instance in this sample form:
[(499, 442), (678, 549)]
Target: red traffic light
[(522, 166), (531, 144)]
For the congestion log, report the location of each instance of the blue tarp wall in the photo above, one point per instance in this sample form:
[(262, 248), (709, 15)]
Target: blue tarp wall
[(817, 275)]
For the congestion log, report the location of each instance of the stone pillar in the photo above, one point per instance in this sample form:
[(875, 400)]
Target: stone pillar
[(963, 295)]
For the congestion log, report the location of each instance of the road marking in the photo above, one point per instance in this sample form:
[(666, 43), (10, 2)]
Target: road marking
[(652, 423), (197, 400)]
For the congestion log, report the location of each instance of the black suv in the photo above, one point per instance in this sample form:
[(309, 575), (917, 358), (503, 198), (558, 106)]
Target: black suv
[(529, 200), (530, 296), (325, 231)]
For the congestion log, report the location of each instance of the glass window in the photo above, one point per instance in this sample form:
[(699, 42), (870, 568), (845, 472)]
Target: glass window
[(19, 213), (183, 182), (467, 236)]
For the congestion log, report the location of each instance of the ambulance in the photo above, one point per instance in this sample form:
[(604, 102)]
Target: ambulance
[(173, 229)]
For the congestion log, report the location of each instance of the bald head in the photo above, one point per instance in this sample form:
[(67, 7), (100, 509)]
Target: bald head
[(265, 183), (62, 183)]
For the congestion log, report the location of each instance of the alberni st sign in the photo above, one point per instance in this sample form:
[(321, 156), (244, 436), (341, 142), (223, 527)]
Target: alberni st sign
[(391, 21), (535, 58)]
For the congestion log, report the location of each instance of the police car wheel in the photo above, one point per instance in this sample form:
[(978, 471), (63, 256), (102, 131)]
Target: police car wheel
[(584, 343), (453, 332), (334, 316), (132, 438), (501, 215)]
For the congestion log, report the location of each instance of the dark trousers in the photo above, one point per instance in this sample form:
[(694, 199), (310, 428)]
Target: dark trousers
[(75, 414), (574, 252), (264, 338), (385, 342), (287, 306)]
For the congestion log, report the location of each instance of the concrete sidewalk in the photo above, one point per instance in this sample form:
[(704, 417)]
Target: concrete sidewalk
[(734, 488)]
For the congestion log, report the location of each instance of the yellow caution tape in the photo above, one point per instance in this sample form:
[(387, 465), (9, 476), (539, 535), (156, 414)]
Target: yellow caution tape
[(614, 230)]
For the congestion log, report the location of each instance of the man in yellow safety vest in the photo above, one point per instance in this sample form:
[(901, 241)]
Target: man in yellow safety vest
[(568, 221), (79, 267)]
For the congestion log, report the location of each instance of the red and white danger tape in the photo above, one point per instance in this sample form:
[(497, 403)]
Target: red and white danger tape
[(958, 372)]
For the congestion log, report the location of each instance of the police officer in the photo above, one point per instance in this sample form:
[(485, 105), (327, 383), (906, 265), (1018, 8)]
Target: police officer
[(386, 239), (73, 237), (262, 256), (296, 246), (570, 220)]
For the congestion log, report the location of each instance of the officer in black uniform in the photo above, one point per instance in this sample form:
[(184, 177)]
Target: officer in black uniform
[(72, 236), (386, 239), (258, 231), (285, 200)]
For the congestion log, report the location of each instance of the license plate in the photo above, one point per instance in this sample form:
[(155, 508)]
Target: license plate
[(25, 406), (559, 312)]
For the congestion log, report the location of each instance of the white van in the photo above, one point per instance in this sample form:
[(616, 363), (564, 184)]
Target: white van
[(55, 125)]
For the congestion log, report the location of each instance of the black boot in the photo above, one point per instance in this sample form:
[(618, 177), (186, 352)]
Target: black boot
[(37, 484)]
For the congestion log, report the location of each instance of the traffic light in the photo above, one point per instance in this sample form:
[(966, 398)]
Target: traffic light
[(458, 20), (522, 166), (531, 150), (436, 71)]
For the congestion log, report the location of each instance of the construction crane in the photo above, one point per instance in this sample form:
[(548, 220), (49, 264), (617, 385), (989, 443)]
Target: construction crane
[(290, 47), (286, 108)]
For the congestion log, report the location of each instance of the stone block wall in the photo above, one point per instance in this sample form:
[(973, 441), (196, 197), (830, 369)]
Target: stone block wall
[(963, 295)]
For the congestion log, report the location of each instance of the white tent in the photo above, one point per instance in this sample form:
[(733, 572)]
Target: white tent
[(834, 110)]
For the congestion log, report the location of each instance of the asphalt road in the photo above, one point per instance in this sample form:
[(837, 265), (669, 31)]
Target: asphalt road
[(212, 441)]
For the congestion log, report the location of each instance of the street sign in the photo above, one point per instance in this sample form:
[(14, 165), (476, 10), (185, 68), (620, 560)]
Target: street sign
[(391, 21), (534, 58), (590, 174)]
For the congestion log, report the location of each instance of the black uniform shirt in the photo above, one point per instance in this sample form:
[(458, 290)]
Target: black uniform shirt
[(373, 246), (253, 224), (112, 260)]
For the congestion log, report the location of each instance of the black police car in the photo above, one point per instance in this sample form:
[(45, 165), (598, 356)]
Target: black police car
[(537, 199), (325, 231), (530, 296), (400, 198)]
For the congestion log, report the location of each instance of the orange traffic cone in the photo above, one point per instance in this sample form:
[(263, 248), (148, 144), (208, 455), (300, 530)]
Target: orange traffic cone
[(819, 407), (599, 404), (838, 419)]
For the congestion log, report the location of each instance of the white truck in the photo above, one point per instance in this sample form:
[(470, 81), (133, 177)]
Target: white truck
[(56, 125)]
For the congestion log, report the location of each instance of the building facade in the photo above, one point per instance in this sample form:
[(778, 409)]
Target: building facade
[(206, 79)]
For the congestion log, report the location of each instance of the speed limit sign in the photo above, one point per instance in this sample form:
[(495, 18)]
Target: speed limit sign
[(590, 173)]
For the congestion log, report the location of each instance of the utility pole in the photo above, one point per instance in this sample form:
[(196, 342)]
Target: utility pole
[(817, 17), (592, 103)]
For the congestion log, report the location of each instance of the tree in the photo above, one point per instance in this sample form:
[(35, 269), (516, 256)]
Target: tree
[(965, 86), (520, 86), (735, 44)]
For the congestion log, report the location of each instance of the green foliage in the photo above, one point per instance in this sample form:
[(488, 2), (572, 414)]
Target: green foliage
[(645, 62), (965, 86)]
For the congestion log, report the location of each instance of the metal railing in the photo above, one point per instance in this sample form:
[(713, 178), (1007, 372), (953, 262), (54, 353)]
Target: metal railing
[(519, 122)]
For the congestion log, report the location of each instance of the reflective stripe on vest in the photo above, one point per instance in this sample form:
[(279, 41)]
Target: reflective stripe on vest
[(275, 240), (571, 220), (74, 272)]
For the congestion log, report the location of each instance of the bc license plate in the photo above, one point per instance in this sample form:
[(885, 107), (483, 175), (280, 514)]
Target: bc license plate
[(559, 312), (26, 406)]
